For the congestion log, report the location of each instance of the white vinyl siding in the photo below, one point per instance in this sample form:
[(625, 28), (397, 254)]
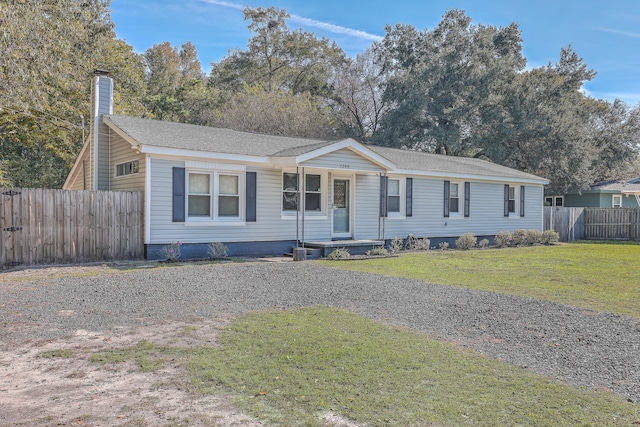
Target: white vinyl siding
[(345, 160), (120, 153), (487, 206), (269, 226)]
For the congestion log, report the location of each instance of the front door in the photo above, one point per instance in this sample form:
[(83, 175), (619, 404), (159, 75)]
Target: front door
[(341, 208)]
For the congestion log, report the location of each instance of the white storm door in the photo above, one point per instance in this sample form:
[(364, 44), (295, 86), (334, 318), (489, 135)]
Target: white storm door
[(341, 208)]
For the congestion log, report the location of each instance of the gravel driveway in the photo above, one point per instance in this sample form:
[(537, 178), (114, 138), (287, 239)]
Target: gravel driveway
[(597, 350)]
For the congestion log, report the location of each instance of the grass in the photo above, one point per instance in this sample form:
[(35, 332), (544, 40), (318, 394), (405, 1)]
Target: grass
[(147, 356), (593, 276), (290, 368), (61, 353)]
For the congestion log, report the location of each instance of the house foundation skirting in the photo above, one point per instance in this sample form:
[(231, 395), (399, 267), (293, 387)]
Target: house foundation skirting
[(201, 251)]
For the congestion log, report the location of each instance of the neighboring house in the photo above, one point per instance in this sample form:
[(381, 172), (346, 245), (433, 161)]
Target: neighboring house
[(605, 194), (205, 184)]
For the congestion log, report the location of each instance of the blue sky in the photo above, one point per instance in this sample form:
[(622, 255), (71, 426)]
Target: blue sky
[(605, 34)]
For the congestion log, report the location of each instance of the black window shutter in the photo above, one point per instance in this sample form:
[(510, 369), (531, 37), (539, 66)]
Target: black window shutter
[(383, 196), (467, 198), (178, 194), (522, 200), (447, 186), (506, 200), (250, 195), (409, 196)]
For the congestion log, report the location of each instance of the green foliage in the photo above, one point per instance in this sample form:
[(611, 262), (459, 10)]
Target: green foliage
[(277, 58), (534, 237), (377, 251), (443, 246), (61, 353), (519, 237), (339, 253), (466, 241), (48, 52), (254, 109), (147, 356), (448, 83), (483, 244), (294, 367), (412, 243), (503, 239), (217, 250), (461, 89), (593, 276), (171, 252), (397, 244), (549, 237)]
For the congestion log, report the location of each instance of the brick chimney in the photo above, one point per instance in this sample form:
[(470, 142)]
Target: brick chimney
[(101, 103)]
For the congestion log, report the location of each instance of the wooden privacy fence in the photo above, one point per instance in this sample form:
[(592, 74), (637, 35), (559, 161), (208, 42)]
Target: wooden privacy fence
[(42, 226), (612, 223), (593, 223), (567, 222)]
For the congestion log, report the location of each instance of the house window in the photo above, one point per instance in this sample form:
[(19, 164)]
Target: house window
[(127, 168), (617, 201), (454, 199), (512, 199), (555, 201), (199, 195), (393, 196), (312, 192), (213, 195), (228, 196)]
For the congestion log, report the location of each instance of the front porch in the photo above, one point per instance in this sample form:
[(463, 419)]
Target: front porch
[(320, 249)]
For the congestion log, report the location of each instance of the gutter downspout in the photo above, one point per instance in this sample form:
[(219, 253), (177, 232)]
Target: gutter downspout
[(298, 208), (303, 203)]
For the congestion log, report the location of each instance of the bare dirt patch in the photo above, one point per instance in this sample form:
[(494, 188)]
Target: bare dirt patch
[(54, 383)]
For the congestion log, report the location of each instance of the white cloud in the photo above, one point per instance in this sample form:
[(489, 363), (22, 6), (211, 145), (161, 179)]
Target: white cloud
[(225, 4), (622, 33), (335, 29)]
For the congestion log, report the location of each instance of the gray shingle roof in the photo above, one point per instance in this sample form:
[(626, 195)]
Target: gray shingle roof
[(416, 160), (157, 133), (616, 186)]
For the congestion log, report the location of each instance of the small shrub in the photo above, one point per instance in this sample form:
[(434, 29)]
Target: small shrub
[(339, 253), (519, 237), (410, 242), (395, 246), (484, 243), (534, 237), (217, 250), (503, 239), (466, 241), (422, 244), (377, 251), (443, 246), (549, 237), (171, 252)]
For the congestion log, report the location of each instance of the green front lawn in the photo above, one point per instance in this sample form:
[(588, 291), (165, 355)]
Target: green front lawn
[(292, 368), (594, 276)]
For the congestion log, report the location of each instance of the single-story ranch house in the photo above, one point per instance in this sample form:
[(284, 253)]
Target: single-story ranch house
[(263, 194)]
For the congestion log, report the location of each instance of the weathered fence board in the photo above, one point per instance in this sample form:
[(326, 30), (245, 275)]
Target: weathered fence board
[(593, 223), (59, 226), (567, 222), (612, 224)]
